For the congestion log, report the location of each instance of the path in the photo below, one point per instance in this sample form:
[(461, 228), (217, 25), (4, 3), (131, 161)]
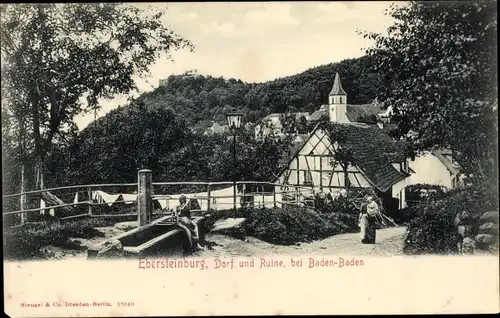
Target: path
[(389, 243)]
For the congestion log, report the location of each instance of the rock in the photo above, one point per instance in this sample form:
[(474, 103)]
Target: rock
[(489, 228), (111, 249), (491, 216), (126, 226), (485, 240), (469, 245), (493, 248)]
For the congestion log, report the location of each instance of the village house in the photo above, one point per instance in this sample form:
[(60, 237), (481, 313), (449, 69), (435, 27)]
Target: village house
[(435, 167), (216, 129), (271, 124)]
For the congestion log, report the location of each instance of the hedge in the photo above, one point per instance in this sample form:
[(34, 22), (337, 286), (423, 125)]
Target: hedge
[(431, 228)]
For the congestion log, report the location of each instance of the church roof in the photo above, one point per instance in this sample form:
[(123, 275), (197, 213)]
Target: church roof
[(337, 87)]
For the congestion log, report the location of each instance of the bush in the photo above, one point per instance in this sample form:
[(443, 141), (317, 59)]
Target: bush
[(418, 192), (431, 228), (292, 225), (25, 242)]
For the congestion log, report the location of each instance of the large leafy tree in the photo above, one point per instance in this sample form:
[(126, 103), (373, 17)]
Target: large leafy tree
[(439, 68), (60, 59)]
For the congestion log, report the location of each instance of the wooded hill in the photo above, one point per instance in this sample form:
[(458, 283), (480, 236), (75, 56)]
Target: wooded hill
[(200, 99)]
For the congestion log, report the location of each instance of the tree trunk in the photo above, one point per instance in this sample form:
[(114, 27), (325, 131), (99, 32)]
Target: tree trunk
[(52, 200)]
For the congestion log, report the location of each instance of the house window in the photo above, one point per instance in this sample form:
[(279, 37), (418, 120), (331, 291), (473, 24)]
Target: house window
[(307, 177), (340, 100)]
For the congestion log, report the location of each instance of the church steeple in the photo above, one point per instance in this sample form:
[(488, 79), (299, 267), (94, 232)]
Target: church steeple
[(337, 100), (337, 87)]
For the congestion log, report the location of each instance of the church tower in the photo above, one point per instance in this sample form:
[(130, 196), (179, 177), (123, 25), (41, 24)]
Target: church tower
[(337, 102)]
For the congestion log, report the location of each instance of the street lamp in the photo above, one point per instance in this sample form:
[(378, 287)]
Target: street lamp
[(234, 123)]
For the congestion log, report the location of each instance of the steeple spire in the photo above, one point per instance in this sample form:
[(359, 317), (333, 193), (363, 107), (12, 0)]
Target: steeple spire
[(337, 87)]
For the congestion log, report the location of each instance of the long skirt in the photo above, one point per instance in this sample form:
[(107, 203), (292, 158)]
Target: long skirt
[(191, 230), (368, 230)]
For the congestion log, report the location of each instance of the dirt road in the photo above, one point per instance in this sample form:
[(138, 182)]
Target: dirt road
[(389, 243)]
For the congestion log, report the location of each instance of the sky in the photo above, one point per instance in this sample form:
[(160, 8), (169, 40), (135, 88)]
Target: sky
[(261, 41)]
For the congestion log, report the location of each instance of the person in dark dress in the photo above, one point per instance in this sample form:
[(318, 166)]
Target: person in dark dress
[(367, 221), (183, 213)]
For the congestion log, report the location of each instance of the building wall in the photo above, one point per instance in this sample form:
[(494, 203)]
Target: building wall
[(313, 166), (338, 113), (430, 170)]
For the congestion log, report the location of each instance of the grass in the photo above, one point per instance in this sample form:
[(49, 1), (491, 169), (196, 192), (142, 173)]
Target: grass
[(25, 242)]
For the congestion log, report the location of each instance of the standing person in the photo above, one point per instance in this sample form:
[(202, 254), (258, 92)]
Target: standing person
[(184, 221), (362, 221), (463, 224), (367, 217)]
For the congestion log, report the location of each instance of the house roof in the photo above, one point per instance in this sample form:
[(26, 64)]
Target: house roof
[(317, 114), (441, 155), (354, 112), (372, 150), (337, 87)]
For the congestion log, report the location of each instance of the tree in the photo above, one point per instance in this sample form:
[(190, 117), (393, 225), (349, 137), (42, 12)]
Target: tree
[(289, 123), (302, 125), (439, 69), (59, 54)]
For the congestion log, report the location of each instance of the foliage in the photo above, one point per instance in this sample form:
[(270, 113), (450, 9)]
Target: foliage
[(60, 59), (431, 228), (113, 148), (439, 72), (25, 242), (416, 192), (292, 225)]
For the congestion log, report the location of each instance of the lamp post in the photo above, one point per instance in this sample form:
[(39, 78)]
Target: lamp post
[(234, 123)]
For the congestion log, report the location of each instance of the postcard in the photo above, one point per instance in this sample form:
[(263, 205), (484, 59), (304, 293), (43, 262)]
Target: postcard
[(249, 158)]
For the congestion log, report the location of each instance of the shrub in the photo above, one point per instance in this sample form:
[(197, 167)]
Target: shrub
[(292, 224), (431, 228), (25, 242)]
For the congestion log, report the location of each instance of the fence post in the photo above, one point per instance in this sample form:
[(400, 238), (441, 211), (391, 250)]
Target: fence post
[(89, 192), (263, 197), (23, 207), (274, 196), (144, 191), (208, 200)]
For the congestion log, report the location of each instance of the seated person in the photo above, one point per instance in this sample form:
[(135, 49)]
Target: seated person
[(184, 221)]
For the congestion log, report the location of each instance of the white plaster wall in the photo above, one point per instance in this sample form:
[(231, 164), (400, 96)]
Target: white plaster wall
[(429, 169)]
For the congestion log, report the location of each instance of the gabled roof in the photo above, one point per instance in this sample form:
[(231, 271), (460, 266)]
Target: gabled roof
[(373, 151), (337, 87), (441, 155)]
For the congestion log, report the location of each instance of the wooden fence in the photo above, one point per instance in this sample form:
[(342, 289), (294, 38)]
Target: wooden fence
[(145, 197)]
